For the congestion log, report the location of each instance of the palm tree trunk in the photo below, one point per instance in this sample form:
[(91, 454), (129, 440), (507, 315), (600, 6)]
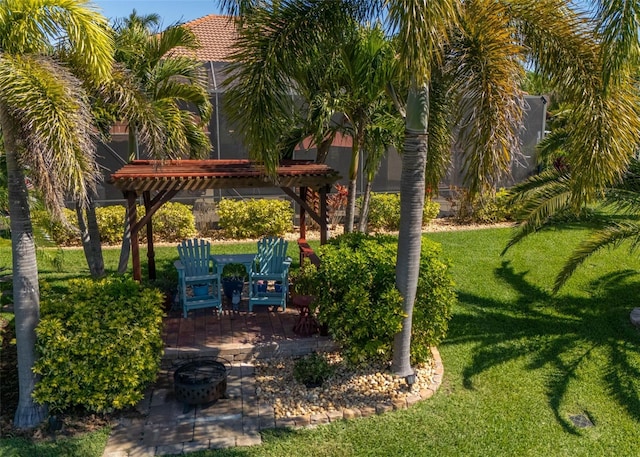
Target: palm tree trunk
[(364, 211), (90, 235), (94, 238), (125, 249), (26, 293), (351, 193), (412, 187)]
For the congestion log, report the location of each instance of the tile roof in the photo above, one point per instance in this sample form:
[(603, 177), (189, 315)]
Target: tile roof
[(216, 35)]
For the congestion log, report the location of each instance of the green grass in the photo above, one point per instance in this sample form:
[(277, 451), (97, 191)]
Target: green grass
[(518, 362)]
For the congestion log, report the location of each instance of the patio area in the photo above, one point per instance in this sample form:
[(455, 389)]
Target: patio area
[(166, 425), (237, 336)]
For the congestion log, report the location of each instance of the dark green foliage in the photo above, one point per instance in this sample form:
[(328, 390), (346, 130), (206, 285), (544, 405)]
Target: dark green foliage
[(255, 218), (358, 300), (312, 370), (100, 344), (234, 270)]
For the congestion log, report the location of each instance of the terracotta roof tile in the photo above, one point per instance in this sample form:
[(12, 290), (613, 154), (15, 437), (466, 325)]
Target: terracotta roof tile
[(216, 35)]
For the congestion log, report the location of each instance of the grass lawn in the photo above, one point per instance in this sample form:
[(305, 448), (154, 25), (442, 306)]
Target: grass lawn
[(519, 363)]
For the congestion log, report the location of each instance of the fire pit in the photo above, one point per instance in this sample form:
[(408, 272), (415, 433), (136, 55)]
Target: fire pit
[(200, 381)]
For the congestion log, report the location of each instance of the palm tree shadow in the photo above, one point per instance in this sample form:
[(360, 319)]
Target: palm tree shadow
[(557, 334)]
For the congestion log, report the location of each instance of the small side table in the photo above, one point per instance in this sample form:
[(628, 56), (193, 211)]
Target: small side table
[(306, 325)]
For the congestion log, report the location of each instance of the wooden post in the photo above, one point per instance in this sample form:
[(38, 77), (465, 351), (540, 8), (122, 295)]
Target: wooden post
[(135, 248), (151, 256), (303, 222), (303, 214), (324, 220)]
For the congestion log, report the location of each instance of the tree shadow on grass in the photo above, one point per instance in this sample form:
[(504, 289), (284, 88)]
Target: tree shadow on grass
[(558, 334)]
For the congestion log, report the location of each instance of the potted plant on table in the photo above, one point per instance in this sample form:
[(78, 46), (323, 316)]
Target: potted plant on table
[(233, 277)]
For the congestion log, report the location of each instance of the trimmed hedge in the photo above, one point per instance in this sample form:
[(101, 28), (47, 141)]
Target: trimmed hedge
[(99, 345), (172, 222), (255, 218), (384, 211)]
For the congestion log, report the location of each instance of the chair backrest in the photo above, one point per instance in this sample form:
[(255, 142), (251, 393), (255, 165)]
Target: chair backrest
[(194, 255), (272, 254)]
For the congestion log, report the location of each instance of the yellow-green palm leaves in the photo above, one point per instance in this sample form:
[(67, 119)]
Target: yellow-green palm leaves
[(165, 82), (40, 94)]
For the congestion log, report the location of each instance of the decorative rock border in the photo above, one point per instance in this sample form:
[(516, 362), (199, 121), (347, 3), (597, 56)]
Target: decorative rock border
[(311, 420)]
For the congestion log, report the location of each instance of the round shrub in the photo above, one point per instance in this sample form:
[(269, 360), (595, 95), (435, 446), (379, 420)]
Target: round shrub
[(111, 223), (384, 211), (174, 222), (358, 300), (255, 218), (100, 344), (312, 370)]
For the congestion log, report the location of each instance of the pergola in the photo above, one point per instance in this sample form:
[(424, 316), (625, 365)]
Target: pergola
[(158, 181)]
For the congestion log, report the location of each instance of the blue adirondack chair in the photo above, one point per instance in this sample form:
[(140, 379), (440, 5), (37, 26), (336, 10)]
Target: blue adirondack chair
[(199, 281), (269, 275)]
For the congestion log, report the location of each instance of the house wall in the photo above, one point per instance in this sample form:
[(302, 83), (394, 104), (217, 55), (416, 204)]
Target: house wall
[(228, 145)]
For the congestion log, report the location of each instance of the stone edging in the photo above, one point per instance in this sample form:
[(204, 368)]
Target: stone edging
[(311, 420)]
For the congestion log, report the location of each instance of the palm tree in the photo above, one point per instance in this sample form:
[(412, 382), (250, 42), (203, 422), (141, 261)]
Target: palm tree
[(367, 68), (597, 138), (166, 82), (46, 126), (474, 48)]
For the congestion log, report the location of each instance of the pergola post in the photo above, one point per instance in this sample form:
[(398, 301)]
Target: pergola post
[(324, 220), (151, 255), (303, 214), (135, 249)]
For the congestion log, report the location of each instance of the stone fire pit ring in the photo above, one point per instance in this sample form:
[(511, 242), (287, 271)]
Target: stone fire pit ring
[(201, 381)]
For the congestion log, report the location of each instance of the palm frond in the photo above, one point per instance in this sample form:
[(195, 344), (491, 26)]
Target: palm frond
[(194, 95), (541, 197), (49, 107), (273, 43), (552, 146), (488, 73), (440, 135), (31, 27), (612, 236), (619, 31), (422, 28)]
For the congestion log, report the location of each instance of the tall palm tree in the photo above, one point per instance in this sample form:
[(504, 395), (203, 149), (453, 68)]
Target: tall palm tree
[(476, 49), (172, 89), (46, 126)]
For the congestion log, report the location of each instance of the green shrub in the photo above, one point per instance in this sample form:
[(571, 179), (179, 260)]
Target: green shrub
[(384, 211), (255, 218), (358, 300), (100, 344), (487, 209), (312, 370), (58, 232), (111, 223), (173, 222)]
